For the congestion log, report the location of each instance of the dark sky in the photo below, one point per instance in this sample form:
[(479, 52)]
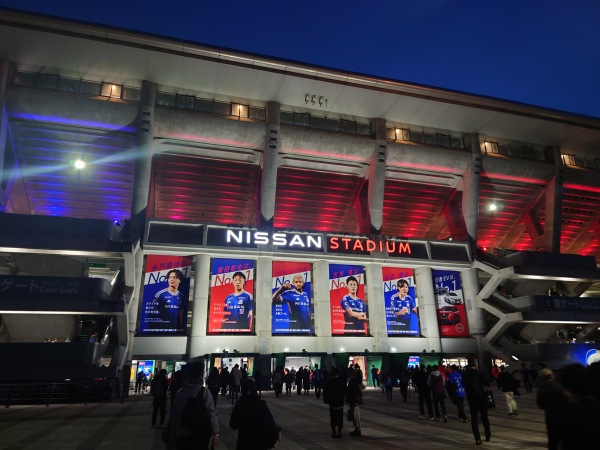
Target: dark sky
[(540, 52)]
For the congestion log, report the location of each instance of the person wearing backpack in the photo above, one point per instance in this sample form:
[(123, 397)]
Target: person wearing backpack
[(179, 435), (436, 383), (158, 390), (253, 420)]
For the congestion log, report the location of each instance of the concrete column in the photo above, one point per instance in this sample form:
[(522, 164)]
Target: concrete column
[(376, 308), (263, 281), (321, 306), (199, 305), (143, 161), (141, 188), (7, 73), (470, 287), (554, 194), (470, 202), (270, 164), (427, 308), (377, 177)]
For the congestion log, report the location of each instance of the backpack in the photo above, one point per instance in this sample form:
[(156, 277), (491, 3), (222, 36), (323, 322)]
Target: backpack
[(270, 432), (195, 417)]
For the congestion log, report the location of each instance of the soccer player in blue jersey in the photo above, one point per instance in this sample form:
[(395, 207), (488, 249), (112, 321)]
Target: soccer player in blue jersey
[(402, 309), (297, 303), (167, 302), (238, 306), (355, 309)]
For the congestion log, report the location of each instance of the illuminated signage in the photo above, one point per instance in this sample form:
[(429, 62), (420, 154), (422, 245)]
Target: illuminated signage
[(291, 240), (364, 245)]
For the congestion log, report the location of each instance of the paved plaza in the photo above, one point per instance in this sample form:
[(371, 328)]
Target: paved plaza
[(304, 419)]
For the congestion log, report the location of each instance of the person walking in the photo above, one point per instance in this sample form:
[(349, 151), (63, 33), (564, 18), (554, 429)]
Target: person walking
[(475, 390), (424, 393), (234, 384), (277, 380), (436, 383), (214, 384), (253, 420), (457, 391), (354, 399), (176, 384), (526, 378), (334, 393), (181, 438), (508, 385), (224, 379), (158, 390), (552, 400), (317, 381)]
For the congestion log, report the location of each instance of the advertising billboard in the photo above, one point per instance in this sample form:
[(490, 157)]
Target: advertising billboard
[(292, 300), (166, 295), (349, 315), (231, 297), (401, 309), (450, 304)]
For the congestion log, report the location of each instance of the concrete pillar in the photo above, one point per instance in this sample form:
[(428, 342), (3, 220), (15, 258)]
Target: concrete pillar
[(143, 161), (199, 305), (554, 194), (376, 308), (7, 73), (263, 282), (427, 308), (470, 202), (377, 177), (141, 188), (470, 287), (321, 306), (270, 164)]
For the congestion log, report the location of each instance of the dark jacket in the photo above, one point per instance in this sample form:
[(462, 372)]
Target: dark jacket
[(245, 418), (334, 392), (353, 394), (475, 384), (506, 382)]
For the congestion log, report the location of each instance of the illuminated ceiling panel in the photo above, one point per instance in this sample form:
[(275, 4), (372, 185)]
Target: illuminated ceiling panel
[(204, 190), (52, 186), (512, 201), (313, 200), (411, 209)]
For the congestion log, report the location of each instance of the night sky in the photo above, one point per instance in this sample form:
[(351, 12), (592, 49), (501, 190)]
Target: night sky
[(540, 52)]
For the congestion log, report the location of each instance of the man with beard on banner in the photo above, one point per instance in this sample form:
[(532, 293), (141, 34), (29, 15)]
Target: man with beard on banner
[(297, 303)]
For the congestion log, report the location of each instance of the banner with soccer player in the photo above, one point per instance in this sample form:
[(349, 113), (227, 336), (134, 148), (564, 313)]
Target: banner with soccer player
[(292, 306), (166, 295), (451, 313), (401, 313), (231, 298), (347, 300)]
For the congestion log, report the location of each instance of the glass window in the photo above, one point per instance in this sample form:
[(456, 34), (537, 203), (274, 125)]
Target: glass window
[(47, 81), (165, 99), (504, 149), (528, 152), (302, 119), (363, 128), (256, 113), (203, 104), (515, 150), (348, 126), (456, 142), (222, 108), (332, 124), (416, 136), (443, 140), (430, 138), (69, 84), (89, 87), (287, 117), (318, 122), (132, 94), (184, 101), (26, 78)]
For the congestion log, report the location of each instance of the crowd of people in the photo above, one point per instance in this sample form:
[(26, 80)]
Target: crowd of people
[(571, 400)]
